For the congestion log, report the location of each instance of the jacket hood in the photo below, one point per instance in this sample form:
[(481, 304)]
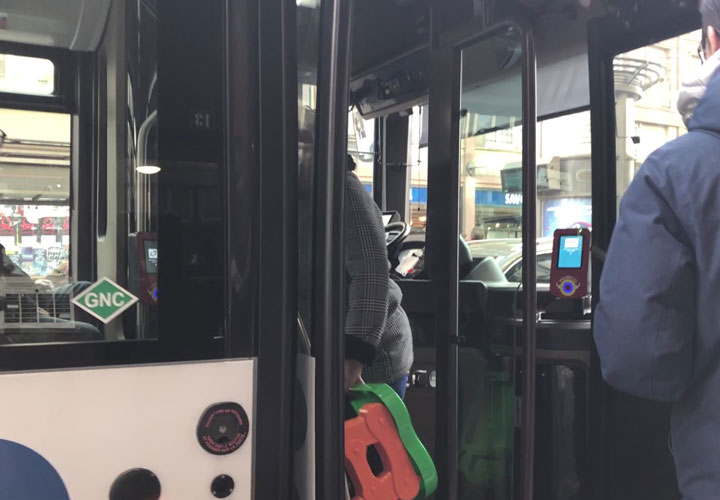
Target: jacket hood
[(707, 114)]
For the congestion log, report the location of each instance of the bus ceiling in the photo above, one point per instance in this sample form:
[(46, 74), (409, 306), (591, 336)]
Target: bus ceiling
[(391, 43), (391, 54), (68, 24)]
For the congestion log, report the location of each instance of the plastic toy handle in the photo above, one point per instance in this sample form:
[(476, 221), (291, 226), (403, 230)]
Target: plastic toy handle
[(367, 394)]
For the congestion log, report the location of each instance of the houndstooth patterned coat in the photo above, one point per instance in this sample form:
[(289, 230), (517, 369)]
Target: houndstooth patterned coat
[(377, 329)]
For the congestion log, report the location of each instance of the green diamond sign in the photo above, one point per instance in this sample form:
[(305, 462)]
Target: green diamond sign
[(105, 300)]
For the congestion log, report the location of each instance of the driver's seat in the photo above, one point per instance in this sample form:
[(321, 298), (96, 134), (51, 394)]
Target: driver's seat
[(465, 260)]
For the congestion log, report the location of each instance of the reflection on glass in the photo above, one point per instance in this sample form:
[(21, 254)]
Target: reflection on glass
[(647, 83), (142, 191)]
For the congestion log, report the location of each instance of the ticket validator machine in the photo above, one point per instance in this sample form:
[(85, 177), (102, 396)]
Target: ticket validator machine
[(570, 263)]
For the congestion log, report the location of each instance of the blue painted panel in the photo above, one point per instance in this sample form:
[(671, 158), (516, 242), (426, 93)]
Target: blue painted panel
[(26, 475)]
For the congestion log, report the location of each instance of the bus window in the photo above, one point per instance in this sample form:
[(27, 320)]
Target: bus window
[(564, 174), (647, 83), (35, 228), (491, 150), (564, 193), (26, 75), (102, 212), (417, 167)]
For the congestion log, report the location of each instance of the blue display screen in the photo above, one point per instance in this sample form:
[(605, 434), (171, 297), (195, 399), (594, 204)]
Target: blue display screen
[(570, 255)]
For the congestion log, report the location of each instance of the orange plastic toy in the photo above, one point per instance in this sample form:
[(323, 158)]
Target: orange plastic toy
[(374, 425)]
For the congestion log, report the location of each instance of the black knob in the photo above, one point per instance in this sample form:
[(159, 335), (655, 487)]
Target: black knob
[(135, 484), (222, 486)]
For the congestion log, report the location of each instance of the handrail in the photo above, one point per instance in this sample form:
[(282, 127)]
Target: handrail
[(529, 230)]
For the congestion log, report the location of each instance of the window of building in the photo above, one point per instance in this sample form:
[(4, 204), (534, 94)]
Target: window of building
[(645, 101)]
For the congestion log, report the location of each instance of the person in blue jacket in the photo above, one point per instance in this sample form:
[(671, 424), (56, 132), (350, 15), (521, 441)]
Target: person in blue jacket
[(657, 326)]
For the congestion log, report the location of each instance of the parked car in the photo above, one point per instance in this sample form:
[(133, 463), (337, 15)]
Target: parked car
[(506, 252), (498, 249), (511, 264)]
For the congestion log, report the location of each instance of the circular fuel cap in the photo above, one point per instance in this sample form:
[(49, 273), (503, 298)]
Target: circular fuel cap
[(223, 428)]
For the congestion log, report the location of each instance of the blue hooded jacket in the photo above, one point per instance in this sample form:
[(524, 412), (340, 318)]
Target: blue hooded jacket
[(657, 326)]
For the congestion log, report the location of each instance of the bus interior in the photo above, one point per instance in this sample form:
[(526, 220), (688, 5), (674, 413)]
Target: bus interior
[(193, 155)]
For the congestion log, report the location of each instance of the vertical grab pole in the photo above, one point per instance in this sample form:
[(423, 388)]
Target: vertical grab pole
[(527, 445), (442, 243), (329, 304), (604, 213)]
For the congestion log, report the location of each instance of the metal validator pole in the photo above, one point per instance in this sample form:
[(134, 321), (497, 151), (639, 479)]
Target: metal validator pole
[(529, 89)]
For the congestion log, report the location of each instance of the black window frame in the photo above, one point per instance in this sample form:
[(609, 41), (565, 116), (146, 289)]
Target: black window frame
[(62, 99)]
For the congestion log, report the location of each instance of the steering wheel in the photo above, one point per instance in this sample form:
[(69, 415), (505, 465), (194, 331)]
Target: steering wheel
[(395, 233)]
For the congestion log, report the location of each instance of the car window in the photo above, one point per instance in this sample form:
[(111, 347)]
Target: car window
[(514, 274), (544, 265)]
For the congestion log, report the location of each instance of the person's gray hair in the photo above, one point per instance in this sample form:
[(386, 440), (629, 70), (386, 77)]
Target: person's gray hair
[(710, 12)]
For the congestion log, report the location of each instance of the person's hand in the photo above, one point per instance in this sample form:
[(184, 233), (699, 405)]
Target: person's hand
[(353, 373), (44, 283)]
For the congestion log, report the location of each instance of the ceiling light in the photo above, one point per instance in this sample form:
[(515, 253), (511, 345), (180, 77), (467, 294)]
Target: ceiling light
[(148, 169)]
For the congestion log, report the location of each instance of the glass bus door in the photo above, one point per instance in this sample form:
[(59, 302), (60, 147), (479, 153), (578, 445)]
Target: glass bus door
[(482, 133)]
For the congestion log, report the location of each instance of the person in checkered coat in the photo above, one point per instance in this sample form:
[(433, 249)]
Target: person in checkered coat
[(378, 339)]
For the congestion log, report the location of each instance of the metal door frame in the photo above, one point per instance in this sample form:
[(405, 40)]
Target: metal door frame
[(278, 257), (329, 274)]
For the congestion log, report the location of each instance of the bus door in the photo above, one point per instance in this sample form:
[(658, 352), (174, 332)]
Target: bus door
[(638, 59), (148, 305), (482, 92)]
